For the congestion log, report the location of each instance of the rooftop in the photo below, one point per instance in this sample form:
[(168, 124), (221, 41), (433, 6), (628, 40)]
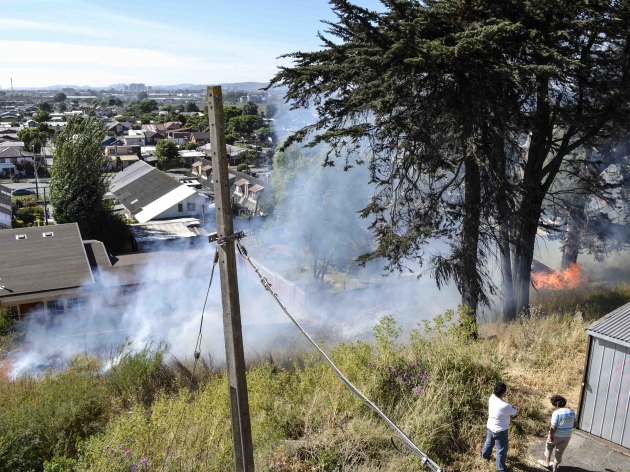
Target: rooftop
[(615, 326), (42, 258)]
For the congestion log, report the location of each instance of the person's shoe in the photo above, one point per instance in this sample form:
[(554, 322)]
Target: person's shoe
[(542, 462)]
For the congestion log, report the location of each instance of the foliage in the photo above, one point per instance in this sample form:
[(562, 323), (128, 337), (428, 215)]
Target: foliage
[(272, 109), (79, 183), (61, 107), (197, 123), (250, 108), (191, 107), (45, 106), (41, 116), (33, 138), (450, 93), (146, 118), (231, 112), (189, 146), (246, 123), (142, 96), (30, 214), (121, 414), (241, 167), (166, 152), (264, 133), (8, 322), (231, 138), (59, 97)]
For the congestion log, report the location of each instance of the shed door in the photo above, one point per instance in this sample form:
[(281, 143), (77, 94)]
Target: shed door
[(605, 406)]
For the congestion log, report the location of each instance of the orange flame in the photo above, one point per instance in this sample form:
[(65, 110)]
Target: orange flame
[(567, 279)]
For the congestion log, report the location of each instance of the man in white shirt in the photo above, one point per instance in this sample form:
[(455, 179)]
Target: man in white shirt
[(499, 412)]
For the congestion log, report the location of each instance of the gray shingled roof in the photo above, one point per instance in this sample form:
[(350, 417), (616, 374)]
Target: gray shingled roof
[(39, 263), (142, 186), (615, 325)]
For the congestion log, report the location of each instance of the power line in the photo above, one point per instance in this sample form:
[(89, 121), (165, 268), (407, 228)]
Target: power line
[(426, 460)]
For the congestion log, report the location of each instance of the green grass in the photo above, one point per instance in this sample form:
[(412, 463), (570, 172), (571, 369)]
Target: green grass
[(93, 417)]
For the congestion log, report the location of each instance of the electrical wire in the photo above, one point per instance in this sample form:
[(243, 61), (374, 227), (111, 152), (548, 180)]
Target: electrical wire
[(425, 460), (197, 354)]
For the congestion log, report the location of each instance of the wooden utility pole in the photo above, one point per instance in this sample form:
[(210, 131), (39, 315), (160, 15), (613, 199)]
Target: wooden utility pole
[(239, 405)]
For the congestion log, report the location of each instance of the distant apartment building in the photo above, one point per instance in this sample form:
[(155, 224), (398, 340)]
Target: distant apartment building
[(136, 88)]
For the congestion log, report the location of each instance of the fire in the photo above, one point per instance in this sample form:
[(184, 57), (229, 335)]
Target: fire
[(567, 279)]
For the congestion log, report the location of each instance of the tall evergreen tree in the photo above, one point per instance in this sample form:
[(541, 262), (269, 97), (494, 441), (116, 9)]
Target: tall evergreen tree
[(469, 109), (79, 183)]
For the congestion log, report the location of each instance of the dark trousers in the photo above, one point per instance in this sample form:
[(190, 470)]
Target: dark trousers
[(501, 440)]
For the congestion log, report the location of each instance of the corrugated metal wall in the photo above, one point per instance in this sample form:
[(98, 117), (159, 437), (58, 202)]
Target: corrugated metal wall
[(605, 405)]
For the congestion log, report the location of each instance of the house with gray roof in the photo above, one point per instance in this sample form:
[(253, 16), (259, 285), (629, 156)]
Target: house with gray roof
[(147, 194)]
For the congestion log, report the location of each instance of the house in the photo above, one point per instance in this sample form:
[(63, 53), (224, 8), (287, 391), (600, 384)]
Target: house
[(56, 125), (44, 268), (178, 136), (19, 145), (31, 124), (152, 137), (148, 194), (134, 140), (247, 192), (199, 137), (233, 153), (127, 155), (10, 157), (191, 156), (172, 125), (5, 208), (52, 273), (9, 117), (118, 128), (605, 395)]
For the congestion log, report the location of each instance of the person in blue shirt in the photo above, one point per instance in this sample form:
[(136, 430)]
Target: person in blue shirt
[(563, 421)]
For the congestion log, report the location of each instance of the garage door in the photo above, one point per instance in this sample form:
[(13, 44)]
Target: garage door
[(605, 405)]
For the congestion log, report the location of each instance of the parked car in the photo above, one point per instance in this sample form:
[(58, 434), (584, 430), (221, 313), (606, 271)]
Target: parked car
[(18, 192)]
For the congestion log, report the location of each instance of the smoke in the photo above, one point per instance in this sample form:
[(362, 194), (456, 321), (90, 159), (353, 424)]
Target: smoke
[(307, 249)]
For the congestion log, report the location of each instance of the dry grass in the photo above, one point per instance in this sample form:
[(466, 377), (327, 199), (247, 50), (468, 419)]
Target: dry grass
[(303, 419)]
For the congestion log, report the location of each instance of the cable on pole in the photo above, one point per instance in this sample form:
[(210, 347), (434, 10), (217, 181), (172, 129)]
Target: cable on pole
[(424, 459), (197, 355)]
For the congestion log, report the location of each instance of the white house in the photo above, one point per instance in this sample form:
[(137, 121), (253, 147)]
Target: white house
[(9, 157), (148, 194)]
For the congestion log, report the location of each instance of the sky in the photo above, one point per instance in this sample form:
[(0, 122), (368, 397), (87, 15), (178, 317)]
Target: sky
[(156, 42)]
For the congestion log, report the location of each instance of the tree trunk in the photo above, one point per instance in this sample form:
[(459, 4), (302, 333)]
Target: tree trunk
[(525, 240), (469, 286), (571, 242), (509, 300)]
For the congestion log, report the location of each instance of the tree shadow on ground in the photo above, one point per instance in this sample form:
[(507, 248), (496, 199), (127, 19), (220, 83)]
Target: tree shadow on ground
[(568, 468)]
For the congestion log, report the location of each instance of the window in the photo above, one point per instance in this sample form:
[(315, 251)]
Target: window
[(191, 206), (55, 307), (76, 305), (180, 207)]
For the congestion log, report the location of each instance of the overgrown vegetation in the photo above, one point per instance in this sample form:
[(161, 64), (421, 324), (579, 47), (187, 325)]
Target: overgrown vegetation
[(100, 415)]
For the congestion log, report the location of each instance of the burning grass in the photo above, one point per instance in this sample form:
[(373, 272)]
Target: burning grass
[(434, 384)]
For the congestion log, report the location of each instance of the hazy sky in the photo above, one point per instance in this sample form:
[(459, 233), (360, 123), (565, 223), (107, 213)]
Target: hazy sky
[(157, 42)]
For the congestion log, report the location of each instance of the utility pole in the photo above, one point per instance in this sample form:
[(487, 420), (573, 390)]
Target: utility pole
[(232, 330), (46, 210)]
